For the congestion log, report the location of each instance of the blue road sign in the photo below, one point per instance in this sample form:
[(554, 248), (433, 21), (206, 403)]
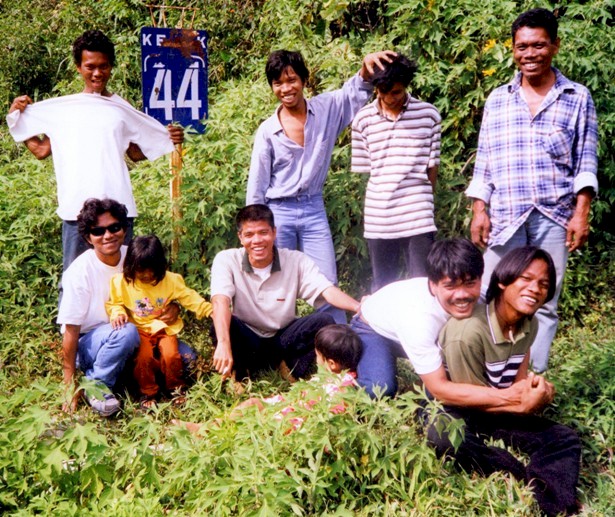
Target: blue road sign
[(174, 75)]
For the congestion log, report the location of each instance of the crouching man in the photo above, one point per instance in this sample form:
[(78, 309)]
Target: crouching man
[(263, 283), (492, 349), (89, 342)]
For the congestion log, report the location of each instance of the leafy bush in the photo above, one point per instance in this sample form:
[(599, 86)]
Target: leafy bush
[(371, 459)]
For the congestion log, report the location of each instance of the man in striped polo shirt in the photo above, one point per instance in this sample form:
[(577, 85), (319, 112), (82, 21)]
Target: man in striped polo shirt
[(396, 140), (491, 348)]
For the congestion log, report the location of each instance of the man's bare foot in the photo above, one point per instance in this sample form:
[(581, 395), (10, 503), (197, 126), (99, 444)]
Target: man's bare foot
[(286, 373)]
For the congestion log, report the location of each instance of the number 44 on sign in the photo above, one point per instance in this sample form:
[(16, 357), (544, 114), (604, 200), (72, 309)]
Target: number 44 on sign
[(174, 73)]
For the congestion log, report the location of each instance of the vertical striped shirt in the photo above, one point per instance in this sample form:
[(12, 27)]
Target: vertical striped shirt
[(541, 162), (396, 154)]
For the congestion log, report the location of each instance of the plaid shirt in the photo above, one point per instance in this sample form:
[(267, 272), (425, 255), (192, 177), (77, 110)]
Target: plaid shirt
[(525, 163)]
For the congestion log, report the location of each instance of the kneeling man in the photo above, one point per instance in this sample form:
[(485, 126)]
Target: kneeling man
[(491, 348), (403, 319), (263, 283)]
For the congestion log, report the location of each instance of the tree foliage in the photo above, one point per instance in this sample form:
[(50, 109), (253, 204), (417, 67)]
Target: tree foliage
[(371, 460)]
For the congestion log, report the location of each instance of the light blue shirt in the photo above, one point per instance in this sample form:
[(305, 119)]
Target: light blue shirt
[(281, 168)]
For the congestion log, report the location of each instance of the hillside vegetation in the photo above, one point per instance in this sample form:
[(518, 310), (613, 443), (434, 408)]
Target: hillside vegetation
[(372, 459)]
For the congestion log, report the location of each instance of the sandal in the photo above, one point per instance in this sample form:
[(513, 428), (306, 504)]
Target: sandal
[(178, 397), (178, 400), (148, 403)]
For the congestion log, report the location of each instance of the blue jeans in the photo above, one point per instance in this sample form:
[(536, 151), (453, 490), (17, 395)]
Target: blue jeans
[(74, 245), (385, 255), (189, 357), (538, 230), (301, 224), (102, 352), (377, 369)]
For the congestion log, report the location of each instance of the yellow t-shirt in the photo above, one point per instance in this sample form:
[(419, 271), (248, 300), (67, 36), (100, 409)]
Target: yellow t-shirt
[(144, 303)]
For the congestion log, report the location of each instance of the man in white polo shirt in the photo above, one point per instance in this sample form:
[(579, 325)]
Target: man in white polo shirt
[(263, 284)]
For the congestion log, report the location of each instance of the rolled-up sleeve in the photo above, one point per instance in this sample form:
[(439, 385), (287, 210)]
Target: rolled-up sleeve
[(586, 148), (481, 186)]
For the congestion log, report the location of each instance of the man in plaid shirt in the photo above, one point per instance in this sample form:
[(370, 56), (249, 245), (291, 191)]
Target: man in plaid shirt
[(535, 173)]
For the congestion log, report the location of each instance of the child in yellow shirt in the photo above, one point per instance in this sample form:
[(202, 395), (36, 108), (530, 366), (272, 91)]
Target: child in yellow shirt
[(139, 295)]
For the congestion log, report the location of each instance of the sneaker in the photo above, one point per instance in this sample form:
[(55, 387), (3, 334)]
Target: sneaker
[(107, 405)]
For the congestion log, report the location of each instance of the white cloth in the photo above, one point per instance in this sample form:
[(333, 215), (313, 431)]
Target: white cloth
[(89, 136), (406, 312), (86, 285)]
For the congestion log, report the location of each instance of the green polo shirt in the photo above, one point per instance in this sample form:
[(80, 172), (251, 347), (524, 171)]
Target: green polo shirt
[(475, 351)]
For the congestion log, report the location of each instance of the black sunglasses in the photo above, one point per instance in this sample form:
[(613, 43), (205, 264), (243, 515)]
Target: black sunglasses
[(99, 231)]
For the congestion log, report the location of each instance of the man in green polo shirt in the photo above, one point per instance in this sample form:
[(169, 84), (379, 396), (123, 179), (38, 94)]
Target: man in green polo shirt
[(491, 348), (254, 290)]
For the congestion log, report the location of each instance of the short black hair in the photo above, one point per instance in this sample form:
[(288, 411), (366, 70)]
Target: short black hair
[(340, 343), (513, 264), (536, 18), (145, 252), (93, 41), (280, 60), (93, 208), (457, 259), (254, 213), (399, 70)]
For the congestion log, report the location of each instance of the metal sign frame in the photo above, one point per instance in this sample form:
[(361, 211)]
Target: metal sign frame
[(174, 70)]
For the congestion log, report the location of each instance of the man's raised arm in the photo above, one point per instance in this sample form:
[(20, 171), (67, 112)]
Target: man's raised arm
[(38, 146)]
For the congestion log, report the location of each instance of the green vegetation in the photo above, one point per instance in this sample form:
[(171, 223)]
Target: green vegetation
[(372, 459)]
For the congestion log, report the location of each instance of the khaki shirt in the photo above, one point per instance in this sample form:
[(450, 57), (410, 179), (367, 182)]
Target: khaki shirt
[(267, 305)]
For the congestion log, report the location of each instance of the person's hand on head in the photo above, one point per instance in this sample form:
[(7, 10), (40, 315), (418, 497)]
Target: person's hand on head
[(373, 60)]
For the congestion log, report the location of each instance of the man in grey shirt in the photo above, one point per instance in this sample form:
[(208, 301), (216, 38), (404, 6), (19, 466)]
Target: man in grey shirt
[(254, 290)]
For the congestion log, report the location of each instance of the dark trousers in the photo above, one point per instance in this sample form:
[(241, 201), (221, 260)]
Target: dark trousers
[(385, 256), (554, 453), (293, 344)]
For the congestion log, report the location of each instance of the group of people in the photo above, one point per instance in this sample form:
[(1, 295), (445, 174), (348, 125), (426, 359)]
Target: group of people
[(534, 179)]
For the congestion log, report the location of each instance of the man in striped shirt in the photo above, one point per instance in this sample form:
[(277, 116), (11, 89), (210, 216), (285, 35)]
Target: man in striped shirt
[(396, 140), (491, 348)]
